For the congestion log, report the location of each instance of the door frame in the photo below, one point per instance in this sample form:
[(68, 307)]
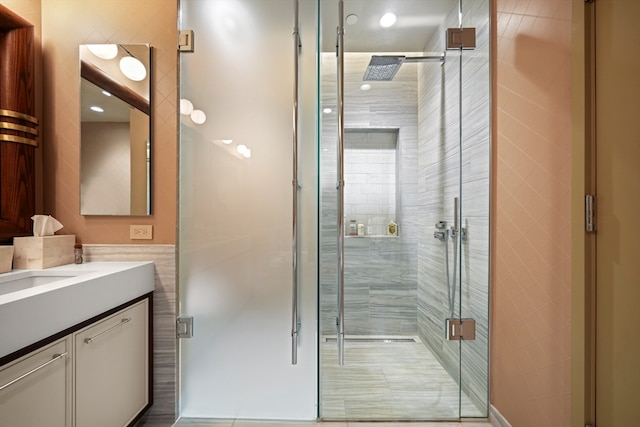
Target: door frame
[(583, 244)]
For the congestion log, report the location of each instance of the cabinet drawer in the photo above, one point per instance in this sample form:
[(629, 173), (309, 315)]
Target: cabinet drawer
[(111, 368), (35, 390)]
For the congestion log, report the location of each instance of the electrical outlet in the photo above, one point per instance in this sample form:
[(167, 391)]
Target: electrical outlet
[(141, 232)]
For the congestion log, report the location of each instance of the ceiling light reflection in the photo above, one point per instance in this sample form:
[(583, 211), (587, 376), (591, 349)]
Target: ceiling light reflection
[(244, 150), (198, 117), (388, 19), (133, 69), (104, 51), (186, 107)]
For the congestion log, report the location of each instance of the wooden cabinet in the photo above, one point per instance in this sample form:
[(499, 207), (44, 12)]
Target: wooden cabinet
[(95, 374), (18, 126), (36, 389), (111, 369)]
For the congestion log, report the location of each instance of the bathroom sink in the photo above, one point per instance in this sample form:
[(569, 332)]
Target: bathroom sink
[(28, 279), (36, 304)]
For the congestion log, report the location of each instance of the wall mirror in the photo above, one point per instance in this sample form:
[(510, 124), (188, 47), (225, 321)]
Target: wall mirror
[(115, 136)]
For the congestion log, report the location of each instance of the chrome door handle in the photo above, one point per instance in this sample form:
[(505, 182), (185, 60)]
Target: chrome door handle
[(340, 81), (295, 322), (34, 370), (106, 331)]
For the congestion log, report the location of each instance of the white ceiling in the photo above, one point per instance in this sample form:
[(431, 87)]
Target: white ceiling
[(417, 20)]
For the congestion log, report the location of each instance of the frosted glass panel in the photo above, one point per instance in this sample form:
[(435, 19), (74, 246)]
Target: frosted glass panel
[(236, 213)]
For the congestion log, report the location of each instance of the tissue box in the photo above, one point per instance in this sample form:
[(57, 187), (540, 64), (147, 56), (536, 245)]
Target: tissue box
[(6, 257), (43, 252)]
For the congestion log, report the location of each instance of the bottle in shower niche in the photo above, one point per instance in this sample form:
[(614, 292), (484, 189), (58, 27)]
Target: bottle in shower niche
[(392, 228), (353, 227)]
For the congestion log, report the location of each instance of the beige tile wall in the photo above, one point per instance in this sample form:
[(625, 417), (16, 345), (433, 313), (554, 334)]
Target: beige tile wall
[(531, 258), (66, 24)]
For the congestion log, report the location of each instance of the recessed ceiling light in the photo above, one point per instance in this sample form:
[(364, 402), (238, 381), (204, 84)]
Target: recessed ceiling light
[(327, 110), (388, 19), (365, 87), (105, 93), (352, 19), (97, 109)]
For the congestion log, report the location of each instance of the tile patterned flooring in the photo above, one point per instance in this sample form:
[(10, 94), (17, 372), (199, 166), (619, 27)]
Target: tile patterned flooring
[(244, 423), (380, 380), (392, 380)]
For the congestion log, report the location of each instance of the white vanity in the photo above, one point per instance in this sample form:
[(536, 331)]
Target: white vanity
[(75, 345)]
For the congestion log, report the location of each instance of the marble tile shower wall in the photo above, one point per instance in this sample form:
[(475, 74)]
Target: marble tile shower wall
[(380, 272), (439, 172)]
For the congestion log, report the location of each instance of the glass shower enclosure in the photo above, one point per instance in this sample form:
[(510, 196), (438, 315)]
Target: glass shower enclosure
[(405, 135), (334, 209)]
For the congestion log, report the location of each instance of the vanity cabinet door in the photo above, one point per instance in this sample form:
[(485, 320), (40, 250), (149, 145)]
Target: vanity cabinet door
[(35, 390), (112, 375)]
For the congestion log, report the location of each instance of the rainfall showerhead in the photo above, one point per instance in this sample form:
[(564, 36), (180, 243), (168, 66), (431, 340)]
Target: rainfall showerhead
[(385, 67)]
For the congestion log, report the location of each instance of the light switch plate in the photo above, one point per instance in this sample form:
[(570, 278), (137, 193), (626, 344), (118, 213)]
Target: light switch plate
[(141, 232)]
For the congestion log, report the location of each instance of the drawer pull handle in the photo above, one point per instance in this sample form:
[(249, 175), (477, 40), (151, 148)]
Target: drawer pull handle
[(122, 322), (34, 370)]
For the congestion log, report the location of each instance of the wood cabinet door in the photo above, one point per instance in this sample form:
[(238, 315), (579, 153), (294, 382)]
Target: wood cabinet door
[(36, 389), (18, 126), (111, 362)]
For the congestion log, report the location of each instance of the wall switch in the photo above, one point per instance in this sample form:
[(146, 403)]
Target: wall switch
[(141, 232)]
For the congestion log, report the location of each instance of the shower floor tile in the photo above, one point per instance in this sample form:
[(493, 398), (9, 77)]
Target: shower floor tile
[(388, 381), (379, 381), (245, 423)]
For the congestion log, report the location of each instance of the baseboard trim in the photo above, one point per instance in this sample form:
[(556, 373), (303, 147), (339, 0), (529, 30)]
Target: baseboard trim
[(497, 419)]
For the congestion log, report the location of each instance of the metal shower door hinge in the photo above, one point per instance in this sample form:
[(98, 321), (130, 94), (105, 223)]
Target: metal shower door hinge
[(185, 41), (461, 329), (184, 327), (461, 38)]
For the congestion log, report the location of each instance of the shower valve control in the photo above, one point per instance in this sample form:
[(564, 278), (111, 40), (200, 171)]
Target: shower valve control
[(441, 231)]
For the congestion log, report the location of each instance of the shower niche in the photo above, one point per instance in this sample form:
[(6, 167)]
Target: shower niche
[(371, 182)]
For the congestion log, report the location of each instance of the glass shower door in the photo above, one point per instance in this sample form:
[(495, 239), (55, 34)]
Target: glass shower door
[(393, 176), (237, 210)]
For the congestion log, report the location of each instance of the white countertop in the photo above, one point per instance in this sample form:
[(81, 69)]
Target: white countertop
[(29, 315)]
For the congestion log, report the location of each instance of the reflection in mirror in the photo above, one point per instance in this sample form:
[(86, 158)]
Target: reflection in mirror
[(115, 136)]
